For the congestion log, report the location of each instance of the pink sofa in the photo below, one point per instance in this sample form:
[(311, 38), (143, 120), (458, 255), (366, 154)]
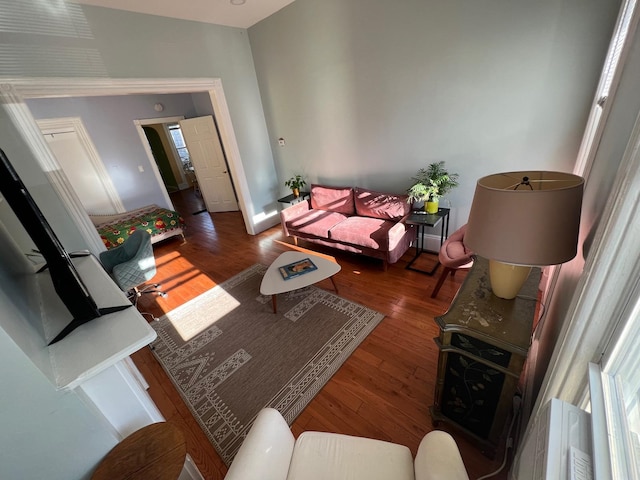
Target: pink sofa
[(352, 219)]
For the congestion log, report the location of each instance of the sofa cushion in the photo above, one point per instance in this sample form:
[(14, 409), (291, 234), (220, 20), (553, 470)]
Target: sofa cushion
[(315, 222), (387, 206), (332, 199), (322, 456), (365, 232)]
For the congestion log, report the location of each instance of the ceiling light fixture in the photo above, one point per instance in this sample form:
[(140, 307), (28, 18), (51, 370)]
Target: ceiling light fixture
[(238, 2)]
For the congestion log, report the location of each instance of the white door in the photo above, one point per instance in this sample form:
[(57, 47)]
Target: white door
[(207, 158), (79, 160)]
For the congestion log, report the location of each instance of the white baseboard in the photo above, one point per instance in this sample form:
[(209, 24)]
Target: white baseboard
[(431, 243)]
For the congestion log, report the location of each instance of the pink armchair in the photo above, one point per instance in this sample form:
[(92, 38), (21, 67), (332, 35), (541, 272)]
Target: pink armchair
[(453, 256)]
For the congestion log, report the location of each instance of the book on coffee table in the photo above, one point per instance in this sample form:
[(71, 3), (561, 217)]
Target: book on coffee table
[(298, 268)]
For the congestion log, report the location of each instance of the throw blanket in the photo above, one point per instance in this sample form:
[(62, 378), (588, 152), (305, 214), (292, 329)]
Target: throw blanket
[(159, 222)]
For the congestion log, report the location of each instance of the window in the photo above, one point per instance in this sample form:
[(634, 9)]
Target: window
[(621, 388), (181, 147)]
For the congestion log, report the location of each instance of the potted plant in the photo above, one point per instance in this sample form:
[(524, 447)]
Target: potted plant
[(431, 183), (295, 183)]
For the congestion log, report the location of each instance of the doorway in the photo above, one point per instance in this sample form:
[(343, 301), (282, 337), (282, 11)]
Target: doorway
[(78, 158), (157, 142), (17, 90), (173, 153), (202, 163)]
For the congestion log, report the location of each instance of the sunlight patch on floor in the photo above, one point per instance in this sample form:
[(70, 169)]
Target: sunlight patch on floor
[(166, 258), (183, 273), (191, 324)]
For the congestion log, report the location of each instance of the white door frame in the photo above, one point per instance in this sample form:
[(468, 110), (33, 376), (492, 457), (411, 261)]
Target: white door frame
[(14, 92), (75, 124), (184, 183), (147, 148)]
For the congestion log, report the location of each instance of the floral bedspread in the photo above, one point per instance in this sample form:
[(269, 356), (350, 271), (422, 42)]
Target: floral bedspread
[(155, 220)]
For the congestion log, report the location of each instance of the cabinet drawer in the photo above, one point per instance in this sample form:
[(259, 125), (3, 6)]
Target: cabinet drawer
[(481, 349)]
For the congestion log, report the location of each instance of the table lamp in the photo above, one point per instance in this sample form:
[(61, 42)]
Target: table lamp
[(523, 219)]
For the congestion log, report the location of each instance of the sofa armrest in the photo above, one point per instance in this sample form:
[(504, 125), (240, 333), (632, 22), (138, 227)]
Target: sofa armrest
[(266, 452), (294, 211), (398, 231), (438, 458)]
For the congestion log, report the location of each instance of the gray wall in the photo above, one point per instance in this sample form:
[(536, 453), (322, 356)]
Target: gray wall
[(52, 435), (137, 45), (366, 92), (109, 123), (625, 109)]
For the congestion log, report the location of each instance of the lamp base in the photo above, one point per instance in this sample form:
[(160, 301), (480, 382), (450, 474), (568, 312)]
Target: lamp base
[(507, 279)]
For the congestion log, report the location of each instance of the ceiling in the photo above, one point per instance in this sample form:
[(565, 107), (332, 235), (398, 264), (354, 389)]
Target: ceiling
[(220, 12)]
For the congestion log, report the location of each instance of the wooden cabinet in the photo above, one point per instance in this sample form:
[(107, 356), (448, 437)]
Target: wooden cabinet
[(483, 347)]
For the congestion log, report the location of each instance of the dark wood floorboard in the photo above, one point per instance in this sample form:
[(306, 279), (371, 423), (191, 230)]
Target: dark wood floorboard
[(382, 391)]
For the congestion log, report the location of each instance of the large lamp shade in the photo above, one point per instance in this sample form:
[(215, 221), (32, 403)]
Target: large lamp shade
[(529, 218)]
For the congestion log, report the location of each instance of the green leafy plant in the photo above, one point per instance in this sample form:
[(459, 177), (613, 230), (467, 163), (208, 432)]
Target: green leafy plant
[(295, 182), (431, 183)]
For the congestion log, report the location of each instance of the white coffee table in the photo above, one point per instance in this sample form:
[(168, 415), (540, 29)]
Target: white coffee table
[(273, 283)]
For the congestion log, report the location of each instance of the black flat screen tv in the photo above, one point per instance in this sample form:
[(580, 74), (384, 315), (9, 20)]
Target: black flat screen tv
[(67, 282)]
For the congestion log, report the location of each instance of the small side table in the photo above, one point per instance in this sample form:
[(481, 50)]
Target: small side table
[(156, 451), (422, 220), (291, 199)]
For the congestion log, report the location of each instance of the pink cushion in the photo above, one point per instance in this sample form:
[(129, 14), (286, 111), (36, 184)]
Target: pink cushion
[(386, 206), (363, 231), (315, 222), (332, 199)]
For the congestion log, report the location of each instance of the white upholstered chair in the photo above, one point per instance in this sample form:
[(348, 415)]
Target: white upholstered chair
[(270, 452)]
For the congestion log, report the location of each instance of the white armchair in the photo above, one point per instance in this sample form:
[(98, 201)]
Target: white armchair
[(270, 452)]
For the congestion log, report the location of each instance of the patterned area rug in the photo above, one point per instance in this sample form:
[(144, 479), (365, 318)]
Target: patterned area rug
[(229, 355)]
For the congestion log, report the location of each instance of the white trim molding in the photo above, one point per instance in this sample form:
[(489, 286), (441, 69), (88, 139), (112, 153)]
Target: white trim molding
[(53, 125), (152, 162), (147, 147), (14, 91), (20, 114)]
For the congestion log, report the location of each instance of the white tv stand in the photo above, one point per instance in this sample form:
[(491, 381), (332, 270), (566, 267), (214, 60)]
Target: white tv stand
[(85, 390), (97, 344)]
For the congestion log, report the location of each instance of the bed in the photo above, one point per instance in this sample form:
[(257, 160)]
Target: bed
[(160, 222)]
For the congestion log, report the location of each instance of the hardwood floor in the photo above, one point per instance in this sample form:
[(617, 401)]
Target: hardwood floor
[(382, 391)]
